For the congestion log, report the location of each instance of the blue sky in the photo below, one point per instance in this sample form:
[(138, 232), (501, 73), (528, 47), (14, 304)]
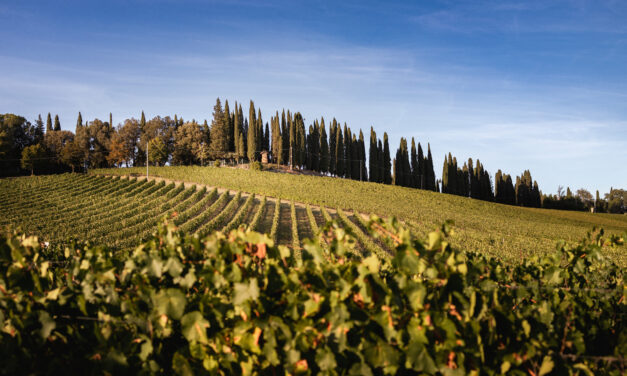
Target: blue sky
[(539, 85)]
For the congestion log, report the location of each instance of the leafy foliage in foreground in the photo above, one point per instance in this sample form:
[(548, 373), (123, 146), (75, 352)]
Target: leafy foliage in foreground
[(237, 304)]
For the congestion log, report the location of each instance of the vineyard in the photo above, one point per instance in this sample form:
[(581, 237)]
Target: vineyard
[(275, 285), (508, 232), (121, 212)]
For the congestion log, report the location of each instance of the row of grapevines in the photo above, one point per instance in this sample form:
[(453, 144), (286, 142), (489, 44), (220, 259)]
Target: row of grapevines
[(205, 215), (85, 206), (34, 204), (294, 222), (274, 230), (312, 221), (23, 191), (104, 206), (365, 240), (218, 221), (112, 222), (140, 212), (110, 211), (200, 200), (239, 216), (47, 207), (254, 223), (149, 218)]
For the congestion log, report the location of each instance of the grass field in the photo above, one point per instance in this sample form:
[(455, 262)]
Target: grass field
[(121, 212), (501, 230)]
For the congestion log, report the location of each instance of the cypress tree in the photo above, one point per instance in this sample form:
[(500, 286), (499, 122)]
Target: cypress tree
[(57, 124), (355, 168), (252, 133), (292, 151), (362, 157), (402, 165), (445, 169), (314, 146), (79, 122), (387, 164), (394, 172), (332, 147), (285, 134), (142, 122), (379, 161), (266, 138), (396, 175), (415, 171), (519, 192), (536, 195), (48, 123), (483, 187), (452, 171), (372, 157), (511, 192), (242, 132), (227, 128), (276, 139), (339, 152), (300, 144), (324, 148), (310, 156), (231, 128), (464, 180), (259, 136), (111, 120), (486, 185), (421, 168), (498, 187), (429, 170), (236, 130), (347, 152), (472, 181), (245, 134)]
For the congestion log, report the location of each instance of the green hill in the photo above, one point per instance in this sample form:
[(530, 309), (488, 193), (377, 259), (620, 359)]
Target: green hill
[(122, 212), (506, 231)]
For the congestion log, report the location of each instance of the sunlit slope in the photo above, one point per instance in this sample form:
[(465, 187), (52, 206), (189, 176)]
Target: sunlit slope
[(502, 230), (120, 212)]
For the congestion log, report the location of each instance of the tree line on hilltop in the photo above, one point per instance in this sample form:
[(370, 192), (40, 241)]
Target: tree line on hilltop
[(340, 152)]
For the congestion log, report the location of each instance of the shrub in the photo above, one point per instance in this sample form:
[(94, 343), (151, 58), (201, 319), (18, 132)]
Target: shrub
[(256, 166)]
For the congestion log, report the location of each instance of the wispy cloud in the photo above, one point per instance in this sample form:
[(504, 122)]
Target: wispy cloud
[(527, 17)]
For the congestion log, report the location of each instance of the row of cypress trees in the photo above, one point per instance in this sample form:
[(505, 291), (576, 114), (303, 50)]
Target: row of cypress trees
[(466, 181), (340, 152), (413, 170)]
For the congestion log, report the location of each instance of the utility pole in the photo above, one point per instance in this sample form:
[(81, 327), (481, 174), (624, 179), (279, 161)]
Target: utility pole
[(147, 147)]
